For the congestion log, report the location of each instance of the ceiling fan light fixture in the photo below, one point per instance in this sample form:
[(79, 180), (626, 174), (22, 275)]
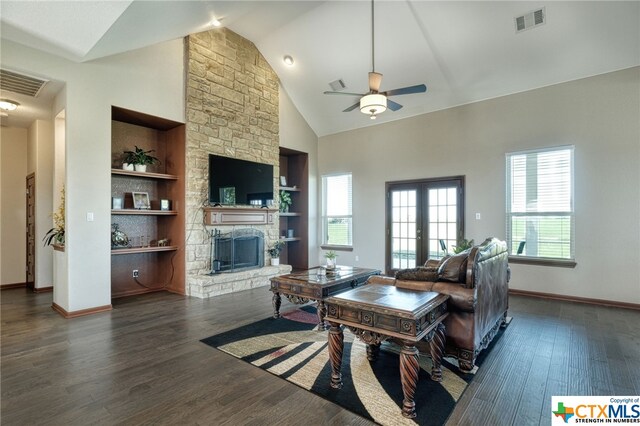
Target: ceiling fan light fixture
[(8, 105), (373, 104)]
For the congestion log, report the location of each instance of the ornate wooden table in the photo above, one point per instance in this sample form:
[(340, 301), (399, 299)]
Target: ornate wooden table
[(301, 287), (375, 313)]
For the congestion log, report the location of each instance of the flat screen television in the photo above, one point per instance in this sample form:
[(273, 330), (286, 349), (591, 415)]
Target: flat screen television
[(233, 181)]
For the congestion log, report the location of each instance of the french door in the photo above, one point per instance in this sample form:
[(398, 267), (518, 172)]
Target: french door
[(425, 219)]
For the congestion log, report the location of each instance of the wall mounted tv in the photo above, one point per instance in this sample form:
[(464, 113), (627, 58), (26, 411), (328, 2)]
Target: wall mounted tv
[(233, 181)]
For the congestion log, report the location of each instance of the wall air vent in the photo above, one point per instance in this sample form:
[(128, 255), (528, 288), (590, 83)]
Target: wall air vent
[(20, 83), (337, 85), (530, 20)]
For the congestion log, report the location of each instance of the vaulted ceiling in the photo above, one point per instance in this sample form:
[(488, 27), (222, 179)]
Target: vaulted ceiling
[(463, 51)]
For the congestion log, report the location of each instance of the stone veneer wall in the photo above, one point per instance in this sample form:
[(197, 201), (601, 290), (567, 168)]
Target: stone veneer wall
[(232, 110)]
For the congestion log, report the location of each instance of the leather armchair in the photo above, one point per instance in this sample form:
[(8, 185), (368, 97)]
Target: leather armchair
[(477, 282)]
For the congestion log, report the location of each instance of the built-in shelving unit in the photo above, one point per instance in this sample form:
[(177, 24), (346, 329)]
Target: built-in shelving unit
[(160, 267), (294, 165)]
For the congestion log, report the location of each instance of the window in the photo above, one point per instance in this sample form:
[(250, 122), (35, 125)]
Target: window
[(336, 210), (540, 216)]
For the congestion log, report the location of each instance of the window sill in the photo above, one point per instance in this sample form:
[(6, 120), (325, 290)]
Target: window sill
[(542, 261), (336, 248)]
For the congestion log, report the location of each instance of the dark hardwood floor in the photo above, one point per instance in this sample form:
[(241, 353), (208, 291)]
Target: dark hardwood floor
[(142, 363)]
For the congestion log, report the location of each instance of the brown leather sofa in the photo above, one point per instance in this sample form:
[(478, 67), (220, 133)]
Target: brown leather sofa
[(477, 282)]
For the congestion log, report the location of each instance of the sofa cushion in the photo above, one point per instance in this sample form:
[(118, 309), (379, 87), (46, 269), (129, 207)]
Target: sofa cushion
[(415, 285), (454, 268), (418, 274)]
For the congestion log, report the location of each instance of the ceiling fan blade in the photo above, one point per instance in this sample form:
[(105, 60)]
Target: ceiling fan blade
[(375, 79), (407, 90), (343, 93), (352, 107), (393, 106)]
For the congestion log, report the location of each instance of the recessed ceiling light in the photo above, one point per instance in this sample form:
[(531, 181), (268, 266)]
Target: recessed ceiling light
[(288, 60), (8, 105), (215, 22)]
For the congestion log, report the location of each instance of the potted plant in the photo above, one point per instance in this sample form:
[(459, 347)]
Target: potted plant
[(463, 244), (140, 159), (55, 235), (331, 259), (285, 201), (274, 252)]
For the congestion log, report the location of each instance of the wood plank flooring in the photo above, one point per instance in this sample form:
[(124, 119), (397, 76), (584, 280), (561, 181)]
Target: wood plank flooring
[(142, 363)]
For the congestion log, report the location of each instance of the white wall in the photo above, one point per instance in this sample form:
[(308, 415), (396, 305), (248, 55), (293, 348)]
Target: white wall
[(148, 80), (40, 162), (296, 134), (13, 210), (599, 115)]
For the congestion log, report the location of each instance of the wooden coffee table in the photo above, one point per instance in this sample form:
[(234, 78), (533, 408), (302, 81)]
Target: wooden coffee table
[(375, 313), (301, 287)]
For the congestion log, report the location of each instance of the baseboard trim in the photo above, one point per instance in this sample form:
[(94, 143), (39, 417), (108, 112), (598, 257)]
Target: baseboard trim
[(12, 285), (81, 312), (43, 289), (587, 300)]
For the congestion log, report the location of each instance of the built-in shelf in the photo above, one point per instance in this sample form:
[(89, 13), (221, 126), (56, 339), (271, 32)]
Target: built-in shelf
[(289, 188), (288, 240), (134, 250), (145, 212), (290, 214), (143, 174)]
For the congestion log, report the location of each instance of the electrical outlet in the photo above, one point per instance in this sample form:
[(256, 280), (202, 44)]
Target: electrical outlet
[(357, 258), (136, 273)]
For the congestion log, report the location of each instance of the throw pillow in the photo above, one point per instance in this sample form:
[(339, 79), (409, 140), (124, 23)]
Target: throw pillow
[(454, 268), (418, 274)]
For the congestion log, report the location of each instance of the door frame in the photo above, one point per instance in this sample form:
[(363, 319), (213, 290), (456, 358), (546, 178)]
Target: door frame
[(30, 285), (422, 204)]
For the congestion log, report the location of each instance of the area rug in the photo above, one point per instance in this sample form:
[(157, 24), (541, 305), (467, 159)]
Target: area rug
[(290, 348)]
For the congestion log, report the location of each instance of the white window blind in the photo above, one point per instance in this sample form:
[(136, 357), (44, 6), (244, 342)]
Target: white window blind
[(337, 216), (540, 215)]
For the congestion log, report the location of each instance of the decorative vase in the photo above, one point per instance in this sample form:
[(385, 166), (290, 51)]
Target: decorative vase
[(118, 238), (140, 167), (127, 166), (331, 263), (275, 261)]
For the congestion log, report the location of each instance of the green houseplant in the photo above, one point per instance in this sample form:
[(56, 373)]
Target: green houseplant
[(140, 158), (331, 259), (463, 244), (274, 252), (55, 235), (285, 201)]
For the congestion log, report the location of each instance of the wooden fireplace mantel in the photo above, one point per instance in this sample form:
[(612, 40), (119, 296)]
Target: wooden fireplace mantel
[(238, 216)]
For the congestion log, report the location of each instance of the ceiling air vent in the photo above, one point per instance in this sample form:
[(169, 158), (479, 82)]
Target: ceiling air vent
[(337, 85), (20, 83), (530, 20)]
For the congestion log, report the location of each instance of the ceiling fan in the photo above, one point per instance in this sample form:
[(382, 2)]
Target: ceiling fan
[(375, 102)]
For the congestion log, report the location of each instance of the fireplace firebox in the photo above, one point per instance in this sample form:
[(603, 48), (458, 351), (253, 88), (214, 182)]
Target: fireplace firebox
[(237, 250)]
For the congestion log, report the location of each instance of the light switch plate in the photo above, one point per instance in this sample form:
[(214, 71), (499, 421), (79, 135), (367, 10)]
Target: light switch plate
[(477, 216), (89, 216)]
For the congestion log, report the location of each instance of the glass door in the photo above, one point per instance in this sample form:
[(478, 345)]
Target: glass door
[(425, 219)]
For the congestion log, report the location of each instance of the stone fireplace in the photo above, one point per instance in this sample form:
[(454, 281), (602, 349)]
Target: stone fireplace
[(238, 250), (232, 110)]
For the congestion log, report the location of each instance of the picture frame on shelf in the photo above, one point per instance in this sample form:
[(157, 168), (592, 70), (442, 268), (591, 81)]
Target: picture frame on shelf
[(117, 203), (165, 205), (141, 200), (283, 181)]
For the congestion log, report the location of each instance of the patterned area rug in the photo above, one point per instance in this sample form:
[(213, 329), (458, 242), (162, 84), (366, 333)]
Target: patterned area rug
[(291, 349)]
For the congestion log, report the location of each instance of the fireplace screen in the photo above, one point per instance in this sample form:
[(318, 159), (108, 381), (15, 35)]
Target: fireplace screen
[(237, 250)]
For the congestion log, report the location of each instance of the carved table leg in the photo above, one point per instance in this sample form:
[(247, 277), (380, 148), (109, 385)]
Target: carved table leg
[(409, 368), (276, 304), (336, 346), (322, 312), (436, 347), (372, 351)]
